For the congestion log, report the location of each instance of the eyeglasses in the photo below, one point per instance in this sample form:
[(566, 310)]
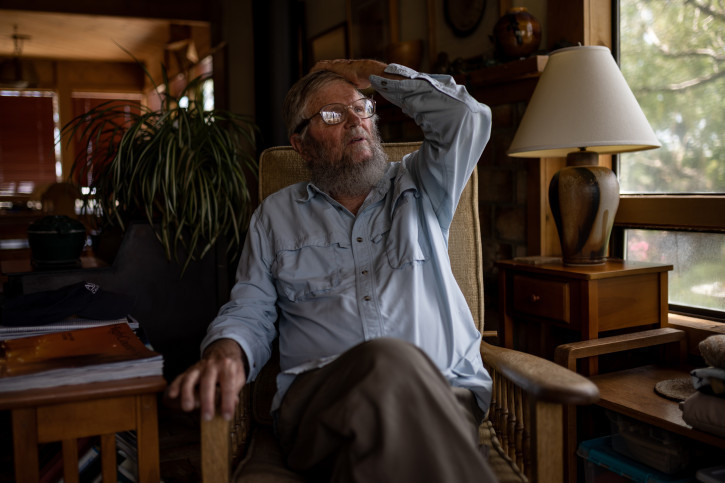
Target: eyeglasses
[(332, 114)]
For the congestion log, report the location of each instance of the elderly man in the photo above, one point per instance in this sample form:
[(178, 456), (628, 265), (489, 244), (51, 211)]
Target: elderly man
[(382, 378)]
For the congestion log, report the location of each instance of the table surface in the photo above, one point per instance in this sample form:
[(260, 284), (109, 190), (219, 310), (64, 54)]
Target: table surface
[(25, 265), (631, 393), (81, 392), (610, 269)]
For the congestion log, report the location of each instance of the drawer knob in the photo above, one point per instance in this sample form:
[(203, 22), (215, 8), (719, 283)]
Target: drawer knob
[(535, 298)]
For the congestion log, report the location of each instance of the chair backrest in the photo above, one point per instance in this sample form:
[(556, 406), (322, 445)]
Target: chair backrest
[(282, 166)]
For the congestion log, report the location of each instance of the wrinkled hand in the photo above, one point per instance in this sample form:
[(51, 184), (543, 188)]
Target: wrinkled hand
[(356, 71), (221, 367)]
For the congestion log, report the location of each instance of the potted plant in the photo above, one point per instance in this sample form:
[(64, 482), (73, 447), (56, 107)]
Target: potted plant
[(181, 167)]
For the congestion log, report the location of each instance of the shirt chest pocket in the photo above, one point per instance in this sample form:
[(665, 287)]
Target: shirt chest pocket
[(311, 270), (404, 243)]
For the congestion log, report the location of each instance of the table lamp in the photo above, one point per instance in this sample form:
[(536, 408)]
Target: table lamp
[(582, 107)]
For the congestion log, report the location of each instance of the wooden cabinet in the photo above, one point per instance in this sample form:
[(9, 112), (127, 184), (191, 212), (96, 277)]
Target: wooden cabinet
[(546, 304)]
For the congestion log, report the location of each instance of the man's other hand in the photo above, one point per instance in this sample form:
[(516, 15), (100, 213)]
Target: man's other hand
[(221, 369)]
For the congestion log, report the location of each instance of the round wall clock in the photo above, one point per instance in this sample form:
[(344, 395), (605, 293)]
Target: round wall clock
[(463, 16)]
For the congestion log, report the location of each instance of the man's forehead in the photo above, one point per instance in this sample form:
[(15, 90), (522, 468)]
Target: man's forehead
[(339, 91)]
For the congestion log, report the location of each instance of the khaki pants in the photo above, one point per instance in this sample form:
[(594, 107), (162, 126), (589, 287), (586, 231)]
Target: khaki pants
[(381, 412)]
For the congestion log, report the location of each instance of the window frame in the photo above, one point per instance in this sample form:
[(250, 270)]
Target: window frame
[(52, 164), (696, 213)]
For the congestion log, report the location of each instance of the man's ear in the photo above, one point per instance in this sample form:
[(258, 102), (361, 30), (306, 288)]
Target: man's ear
[(296, 142)]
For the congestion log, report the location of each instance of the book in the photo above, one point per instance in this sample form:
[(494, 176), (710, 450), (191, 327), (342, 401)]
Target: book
[(126, 445), (16, 332), (89, 465), (103, 353)]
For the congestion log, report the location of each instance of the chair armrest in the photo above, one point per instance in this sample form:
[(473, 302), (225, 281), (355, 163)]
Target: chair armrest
[(223, 442), (567, 354), (215, 450), (542, 379)]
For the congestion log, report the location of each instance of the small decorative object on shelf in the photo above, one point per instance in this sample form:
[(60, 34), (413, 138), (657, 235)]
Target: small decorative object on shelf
[(517, 34)]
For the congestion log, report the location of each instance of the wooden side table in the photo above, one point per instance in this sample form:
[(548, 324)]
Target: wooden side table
[(66, 413), (631, 391), (587, 300)]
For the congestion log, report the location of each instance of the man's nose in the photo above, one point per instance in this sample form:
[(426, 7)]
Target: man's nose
[(352, 118)]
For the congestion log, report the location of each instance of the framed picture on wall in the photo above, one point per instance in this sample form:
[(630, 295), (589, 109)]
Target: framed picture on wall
[(330, 44), (369, 27)]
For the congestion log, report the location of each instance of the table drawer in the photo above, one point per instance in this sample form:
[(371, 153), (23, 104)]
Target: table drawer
[(541, 298)]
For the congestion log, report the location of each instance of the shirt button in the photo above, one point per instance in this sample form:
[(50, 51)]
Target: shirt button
[(367, 298), (359, 239)]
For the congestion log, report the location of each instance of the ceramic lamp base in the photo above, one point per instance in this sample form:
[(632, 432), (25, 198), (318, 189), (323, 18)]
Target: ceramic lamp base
[(584, 199)]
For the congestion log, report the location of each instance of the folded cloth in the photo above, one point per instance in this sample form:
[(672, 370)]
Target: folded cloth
[(713, 350), (710, 380), (83, 299), (705, 412)]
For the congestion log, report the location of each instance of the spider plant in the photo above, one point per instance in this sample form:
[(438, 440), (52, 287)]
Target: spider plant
[(184, 169)]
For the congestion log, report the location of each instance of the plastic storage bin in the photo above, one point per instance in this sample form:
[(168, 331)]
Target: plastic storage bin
[(655, 447), (604, 465)]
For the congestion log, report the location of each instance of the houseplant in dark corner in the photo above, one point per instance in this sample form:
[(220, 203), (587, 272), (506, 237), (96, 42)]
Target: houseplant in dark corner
[(183, 169)]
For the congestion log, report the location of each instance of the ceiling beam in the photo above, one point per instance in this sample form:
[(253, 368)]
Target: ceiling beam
[(187, 10)]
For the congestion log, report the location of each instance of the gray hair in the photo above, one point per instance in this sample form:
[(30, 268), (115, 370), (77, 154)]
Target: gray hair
[(295, 103)]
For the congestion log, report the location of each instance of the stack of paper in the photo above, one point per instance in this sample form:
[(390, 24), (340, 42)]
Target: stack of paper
[(103, 353), (15, 332)]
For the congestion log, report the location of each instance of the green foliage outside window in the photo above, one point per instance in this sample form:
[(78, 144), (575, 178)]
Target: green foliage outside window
[(673, 57), (672, 53)]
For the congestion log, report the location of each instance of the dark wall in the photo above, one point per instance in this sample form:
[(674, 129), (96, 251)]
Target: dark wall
[(277, 34)]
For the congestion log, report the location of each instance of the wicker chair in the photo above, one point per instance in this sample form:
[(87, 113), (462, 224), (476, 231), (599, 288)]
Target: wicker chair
[(525, 427)]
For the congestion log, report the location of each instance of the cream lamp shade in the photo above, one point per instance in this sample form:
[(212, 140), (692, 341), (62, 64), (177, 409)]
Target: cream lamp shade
[(582, 107), (582, 101)]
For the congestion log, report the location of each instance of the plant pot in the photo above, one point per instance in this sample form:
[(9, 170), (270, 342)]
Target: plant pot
[(56, 240)]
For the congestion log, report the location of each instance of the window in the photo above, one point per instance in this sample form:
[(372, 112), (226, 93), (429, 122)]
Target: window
[(29, 160), (672, 207), (123, 106)]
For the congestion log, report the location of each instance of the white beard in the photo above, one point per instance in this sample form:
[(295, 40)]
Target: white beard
[(346, 177)]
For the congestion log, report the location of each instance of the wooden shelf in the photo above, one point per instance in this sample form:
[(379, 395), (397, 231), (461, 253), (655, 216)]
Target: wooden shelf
[(631, 393), (530, 67), (507, 83)]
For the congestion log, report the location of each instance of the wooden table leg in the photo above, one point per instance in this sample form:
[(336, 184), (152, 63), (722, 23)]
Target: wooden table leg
[(147, 439), (25, 445), (70, 461), (109, 469)]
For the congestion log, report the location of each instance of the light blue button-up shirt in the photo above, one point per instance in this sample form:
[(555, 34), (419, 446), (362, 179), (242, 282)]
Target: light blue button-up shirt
[(332, 279)]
